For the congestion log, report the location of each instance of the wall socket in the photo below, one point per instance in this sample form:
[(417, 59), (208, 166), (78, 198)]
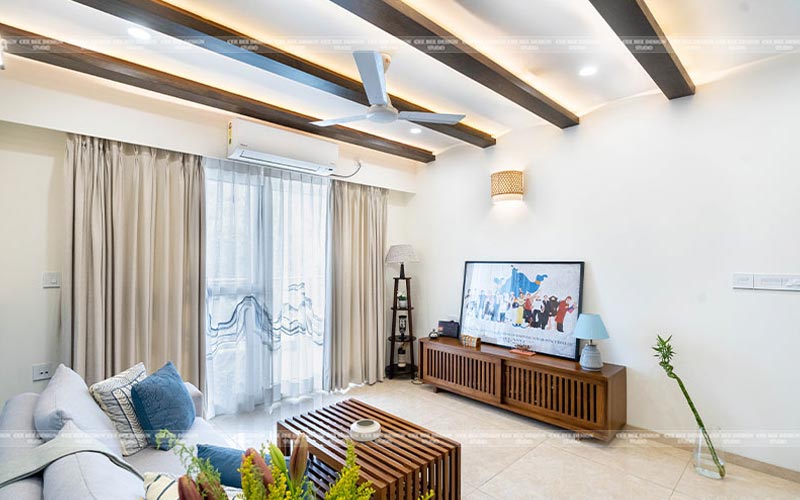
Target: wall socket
[(42, 371)]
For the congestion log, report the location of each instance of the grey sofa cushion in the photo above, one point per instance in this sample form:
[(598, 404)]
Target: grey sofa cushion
[(114, 397), (197, 398), (88, 475), (153, 460), (17, 431), (66, 397)]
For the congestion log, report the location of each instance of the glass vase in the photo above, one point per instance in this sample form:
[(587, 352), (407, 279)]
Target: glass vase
[(704, 463)]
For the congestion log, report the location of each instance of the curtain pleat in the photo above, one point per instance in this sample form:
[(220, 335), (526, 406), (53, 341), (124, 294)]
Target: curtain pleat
[(133, 286), (356, 350)]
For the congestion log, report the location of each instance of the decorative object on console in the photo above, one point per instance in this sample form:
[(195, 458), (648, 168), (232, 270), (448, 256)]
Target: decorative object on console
[(469, 341), (365, 430), (523, 349), (531, 303), (590, 327), (448, 329), (707, 461), (508, 185), (400, 254), (401, 337)]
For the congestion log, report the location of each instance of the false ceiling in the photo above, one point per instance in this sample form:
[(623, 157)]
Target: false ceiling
[(563, 48)]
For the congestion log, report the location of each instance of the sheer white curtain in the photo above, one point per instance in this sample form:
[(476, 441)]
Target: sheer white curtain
[(266, 293)]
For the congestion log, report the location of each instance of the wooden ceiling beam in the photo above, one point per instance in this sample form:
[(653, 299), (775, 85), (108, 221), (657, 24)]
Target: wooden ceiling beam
[(405, 23), (57, 53), (638, 29), (182, 24)]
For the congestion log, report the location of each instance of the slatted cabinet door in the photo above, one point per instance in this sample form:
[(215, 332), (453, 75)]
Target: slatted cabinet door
[(553, 390), (463, 371), (549, 393)]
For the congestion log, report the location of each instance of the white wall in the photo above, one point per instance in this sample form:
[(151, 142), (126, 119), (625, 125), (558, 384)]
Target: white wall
[(663, 200), (31, 225)]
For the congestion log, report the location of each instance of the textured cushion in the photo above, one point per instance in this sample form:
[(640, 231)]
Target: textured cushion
[(160, 486), (83, 476), (226, 460), (66, 397), (161, 401), (17, 431), (114, 397)]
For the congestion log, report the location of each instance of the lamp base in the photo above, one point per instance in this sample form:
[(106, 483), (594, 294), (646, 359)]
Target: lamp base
[(591, 359)]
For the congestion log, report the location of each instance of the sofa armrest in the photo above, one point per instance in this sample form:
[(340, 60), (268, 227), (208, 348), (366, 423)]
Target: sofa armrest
[(197, 398)]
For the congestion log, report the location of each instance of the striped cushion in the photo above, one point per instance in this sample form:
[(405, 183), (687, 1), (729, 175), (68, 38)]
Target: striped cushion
[(160, 487), (114, 397)]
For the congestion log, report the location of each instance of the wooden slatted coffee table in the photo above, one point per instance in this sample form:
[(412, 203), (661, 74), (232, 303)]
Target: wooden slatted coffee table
[(403, 463)]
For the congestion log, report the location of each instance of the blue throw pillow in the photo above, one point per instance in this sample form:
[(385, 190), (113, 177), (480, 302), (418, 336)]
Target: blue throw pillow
[(161, 401), (226, 460)]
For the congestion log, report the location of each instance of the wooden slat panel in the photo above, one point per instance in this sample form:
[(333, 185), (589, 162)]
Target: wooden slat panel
[(636, 26)]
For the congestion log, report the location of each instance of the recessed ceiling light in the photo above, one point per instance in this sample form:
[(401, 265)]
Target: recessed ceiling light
[(415, 130), (588, 70), (138, 33)]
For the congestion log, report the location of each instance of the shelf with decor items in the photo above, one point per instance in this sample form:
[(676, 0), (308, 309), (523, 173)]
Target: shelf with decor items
[(401, 338), (554, 390)]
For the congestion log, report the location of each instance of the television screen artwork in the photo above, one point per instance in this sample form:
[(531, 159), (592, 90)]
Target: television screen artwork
[(533, 304)]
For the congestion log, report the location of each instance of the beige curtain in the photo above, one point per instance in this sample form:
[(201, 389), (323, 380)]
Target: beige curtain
[(134, 276), (356, 344)]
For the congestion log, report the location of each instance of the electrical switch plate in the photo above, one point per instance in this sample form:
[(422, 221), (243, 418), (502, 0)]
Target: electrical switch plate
[(742, 280), (42, 371), (777, 282), (51, 279)]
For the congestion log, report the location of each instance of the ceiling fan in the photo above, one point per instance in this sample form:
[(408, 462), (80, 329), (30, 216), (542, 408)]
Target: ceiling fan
[(372, 66)]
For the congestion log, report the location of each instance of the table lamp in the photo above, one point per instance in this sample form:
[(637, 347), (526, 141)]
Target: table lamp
[(590, 327), (400, 254)]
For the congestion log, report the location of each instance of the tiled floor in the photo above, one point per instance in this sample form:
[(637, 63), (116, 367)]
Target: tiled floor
[(505, 456)]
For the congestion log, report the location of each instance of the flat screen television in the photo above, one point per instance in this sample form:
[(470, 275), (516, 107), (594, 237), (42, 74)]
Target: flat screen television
[(532, 304)]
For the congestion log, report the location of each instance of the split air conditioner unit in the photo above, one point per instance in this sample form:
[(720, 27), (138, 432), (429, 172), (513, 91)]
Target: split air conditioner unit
[(251, 142)]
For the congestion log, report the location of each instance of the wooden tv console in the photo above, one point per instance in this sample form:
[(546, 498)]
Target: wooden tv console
[(553, 390)]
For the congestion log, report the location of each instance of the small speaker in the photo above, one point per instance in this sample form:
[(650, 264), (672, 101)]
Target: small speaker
[(448, 329)]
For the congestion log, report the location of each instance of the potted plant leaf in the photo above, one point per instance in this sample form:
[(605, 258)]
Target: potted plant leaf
[(707, 460)]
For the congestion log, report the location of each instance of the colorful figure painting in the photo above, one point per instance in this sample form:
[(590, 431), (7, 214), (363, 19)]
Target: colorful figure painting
[(535, 304)]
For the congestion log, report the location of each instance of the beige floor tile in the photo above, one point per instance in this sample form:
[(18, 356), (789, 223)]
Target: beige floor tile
[(549, 472), (478, 495), (507, 456), (656, 462), (739, 483)]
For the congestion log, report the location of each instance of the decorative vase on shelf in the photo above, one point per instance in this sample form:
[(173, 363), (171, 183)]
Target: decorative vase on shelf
[(401, 357), (402, 302), (704, 455)]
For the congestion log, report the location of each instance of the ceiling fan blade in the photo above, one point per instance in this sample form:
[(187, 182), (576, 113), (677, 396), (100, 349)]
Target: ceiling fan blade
[(419, 116), (337, 121), (370, 67)]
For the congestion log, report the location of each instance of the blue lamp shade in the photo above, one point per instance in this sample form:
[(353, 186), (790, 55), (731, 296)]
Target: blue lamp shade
[(590, 327)]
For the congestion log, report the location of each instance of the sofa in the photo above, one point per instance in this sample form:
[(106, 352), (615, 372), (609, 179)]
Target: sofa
[(96, 472)]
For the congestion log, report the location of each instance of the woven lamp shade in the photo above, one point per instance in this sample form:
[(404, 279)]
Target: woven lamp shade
[(507, 185)]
